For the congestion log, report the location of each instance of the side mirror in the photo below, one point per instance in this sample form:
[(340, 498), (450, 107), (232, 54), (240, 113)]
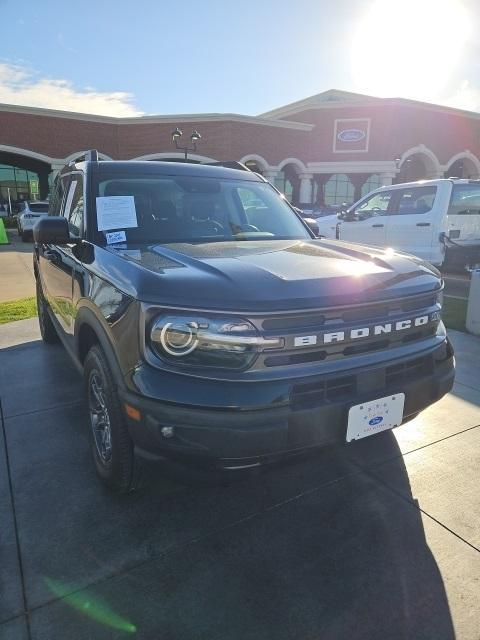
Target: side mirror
[(312, 225), (348, 216), (51, 230)]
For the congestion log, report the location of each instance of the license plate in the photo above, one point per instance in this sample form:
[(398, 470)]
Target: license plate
[(375, 416)]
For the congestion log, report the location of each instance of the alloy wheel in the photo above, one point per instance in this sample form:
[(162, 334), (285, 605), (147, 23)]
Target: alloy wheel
[(99, 417)]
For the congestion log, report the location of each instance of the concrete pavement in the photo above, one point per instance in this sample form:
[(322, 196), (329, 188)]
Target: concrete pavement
[(16, 269), (379, 539)]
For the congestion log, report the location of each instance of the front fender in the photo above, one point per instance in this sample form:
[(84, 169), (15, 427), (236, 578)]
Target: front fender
[(118, 339)]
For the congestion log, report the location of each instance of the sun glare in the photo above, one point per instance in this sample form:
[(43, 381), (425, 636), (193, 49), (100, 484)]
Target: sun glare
[(409, 48)]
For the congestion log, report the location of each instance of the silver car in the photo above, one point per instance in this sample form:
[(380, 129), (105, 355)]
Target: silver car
[(28, 214)]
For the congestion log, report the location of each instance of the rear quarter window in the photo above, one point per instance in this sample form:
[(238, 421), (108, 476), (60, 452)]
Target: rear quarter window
[(465, 200)]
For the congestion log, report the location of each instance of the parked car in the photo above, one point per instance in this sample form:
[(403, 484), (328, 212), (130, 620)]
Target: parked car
[(437, 220), (213, 331), (29, 212)]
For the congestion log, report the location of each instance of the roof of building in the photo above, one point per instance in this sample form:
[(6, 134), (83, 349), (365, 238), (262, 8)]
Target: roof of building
[(339, 98), (279, 117)]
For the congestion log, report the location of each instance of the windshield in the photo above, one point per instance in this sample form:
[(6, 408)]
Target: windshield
[(164, 209)]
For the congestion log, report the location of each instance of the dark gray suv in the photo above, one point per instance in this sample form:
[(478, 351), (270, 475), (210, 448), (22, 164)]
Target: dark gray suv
[(212, 327)]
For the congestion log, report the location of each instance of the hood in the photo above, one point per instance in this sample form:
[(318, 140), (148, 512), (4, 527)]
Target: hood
[(267, 275)]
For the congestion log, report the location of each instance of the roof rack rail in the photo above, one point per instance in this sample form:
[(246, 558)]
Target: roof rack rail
[(229, 164), (91, 155)]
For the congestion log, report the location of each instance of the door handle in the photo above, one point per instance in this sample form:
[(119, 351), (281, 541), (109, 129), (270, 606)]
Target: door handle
[(378, 225), (423, 224)]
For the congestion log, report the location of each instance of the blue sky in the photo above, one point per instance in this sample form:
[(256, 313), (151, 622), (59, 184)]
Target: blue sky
[(128, 58)]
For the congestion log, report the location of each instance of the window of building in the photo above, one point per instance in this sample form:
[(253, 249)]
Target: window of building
[(338, 189), (284, 185), (370, 184), (17, 185)]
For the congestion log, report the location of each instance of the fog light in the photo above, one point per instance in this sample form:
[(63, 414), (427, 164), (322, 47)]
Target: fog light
[(167, 432)]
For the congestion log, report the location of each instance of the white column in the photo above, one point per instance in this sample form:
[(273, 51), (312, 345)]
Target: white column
[(305, 195), (271, 176), (386, 178)]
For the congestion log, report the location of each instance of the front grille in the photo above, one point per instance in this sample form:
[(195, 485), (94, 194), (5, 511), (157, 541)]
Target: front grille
[(291, 327), (379, 381), (411, 370)]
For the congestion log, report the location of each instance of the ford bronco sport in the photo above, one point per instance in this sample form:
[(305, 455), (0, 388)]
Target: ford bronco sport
[(211, 325)]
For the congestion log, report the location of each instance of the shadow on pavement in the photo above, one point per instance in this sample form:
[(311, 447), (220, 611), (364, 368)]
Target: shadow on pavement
[(316, 548)]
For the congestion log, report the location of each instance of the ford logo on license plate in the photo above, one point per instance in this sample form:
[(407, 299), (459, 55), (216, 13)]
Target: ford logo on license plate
[(375, 420)]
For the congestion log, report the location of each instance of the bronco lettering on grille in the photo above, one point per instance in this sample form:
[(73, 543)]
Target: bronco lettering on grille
[(363, 332)]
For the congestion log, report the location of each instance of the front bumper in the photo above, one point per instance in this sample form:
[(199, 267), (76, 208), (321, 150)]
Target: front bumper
[(314, 415)]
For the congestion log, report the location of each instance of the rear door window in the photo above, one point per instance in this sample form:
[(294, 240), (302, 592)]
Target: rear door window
[(414, 201)]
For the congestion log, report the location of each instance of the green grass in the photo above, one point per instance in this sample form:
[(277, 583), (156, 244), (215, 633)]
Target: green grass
[(454, 313), (17, 310)]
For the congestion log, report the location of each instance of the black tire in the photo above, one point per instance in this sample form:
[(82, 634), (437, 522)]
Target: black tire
[(112, 446), (47, 328)]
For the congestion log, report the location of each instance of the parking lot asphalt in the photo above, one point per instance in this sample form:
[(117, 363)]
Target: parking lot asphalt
[(379, 539)]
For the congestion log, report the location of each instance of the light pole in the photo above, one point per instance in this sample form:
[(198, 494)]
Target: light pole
[(195, 137)]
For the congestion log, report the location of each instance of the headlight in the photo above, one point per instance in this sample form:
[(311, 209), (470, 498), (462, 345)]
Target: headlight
[(209, 342)]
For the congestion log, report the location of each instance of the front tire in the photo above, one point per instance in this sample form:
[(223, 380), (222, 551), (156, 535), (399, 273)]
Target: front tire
[(111, 444), (47, 329)]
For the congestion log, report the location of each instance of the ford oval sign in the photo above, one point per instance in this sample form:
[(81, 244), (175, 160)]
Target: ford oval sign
[(351, 135), (375, 420)]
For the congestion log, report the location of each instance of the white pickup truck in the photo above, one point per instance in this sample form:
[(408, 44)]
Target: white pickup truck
[(437, 220)]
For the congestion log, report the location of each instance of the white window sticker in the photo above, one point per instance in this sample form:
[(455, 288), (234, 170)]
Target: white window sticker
[(68, 203), (116, 212), (115, 236)]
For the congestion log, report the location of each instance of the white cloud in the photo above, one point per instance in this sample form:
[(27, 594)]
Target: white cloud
[(465, 97), (19, 85)]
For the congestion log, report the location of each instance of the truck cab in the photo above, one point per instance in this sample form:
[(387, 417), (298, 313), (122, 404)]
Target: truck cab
[(436, 220)]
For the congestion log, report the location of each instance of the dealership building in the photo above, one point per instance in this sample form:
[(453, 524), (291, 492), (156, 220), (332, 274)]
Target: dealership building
[(326, 149)]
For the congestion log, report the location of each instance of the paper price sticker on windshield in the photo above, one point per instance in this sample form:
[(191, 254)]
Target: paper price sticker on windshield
[(115, 236), (116, 212)]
